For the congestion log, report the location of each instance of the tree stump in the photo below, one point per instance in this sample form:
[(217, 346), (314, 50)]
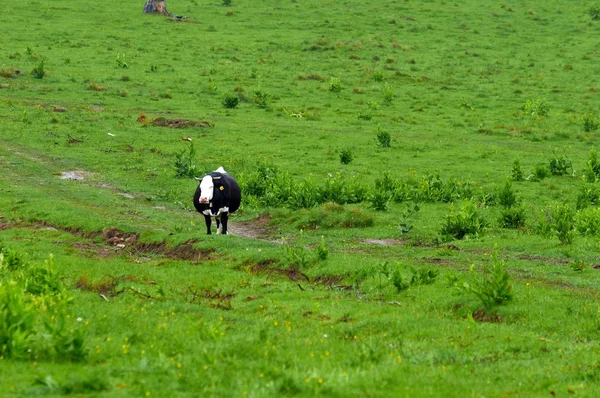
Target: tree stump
[(158, 6)]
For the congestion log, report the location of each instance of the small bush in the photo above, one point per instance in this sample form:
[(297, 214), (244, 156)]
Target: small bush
[(594, 12), (388, 94), (120, 60), (589, 122), (535, 107), (296, 255), (591, 172), (463, 223), (261, 99), (380, 200), (563, 220), (587, 221), (184, 163), (512, 217), (506, 197), (346, 156), (588, 195), (406, 216), (17, 321), (517, 173), (493, 287), (230, 101), (384, 138), (560, 165), (539, 173), (335, 85), (322, 250), (39, 72)]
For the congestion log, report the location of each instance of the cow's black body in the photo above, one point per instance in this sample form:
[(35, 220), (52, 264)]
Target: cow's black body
[(226, 199)]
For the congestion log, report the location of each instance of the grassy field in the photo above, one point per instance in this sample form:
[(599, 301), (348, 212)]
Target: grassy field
[(420, 212)]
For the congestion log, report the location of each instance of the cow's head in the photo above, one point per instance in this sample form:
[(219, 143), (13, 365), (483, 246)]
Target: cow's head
[(207, 188)]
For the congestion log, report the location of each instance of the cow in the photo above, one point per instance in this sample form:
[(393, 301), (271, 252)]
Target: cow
[(217, 196)]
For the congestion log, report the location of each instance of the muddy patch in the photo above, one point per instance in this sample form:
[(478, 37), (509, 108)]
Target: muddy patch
[(106, 286), (259, 228), (130, 242), (271, 268), (542, 259), (484, 316), (172, 123)]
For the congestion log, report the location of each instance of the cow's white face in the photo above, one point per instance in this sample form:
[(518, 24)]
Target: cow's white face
[(206, 189)]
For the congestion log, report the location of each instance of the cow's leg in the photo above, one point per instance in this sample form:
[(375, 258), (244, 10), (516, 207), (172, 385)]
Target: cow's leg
[(218, 221), (208, 222), (224, 218)]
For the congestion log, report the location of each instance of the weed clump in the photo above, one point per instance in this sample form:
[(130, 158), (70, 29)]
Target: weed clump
[(185, 166), (346, 156), (230, 101), (38, 71), (465, 222), (34, 322), (492, 287), (384, 138)]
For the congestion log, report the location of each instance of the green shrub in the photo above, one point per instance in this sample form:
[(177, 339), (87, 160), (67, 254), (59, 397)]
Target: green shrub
[(467, 221), (588, 195), (517, 173), (591, 172), (296, 255), (493, 287), (506, 197), (43, 279), (380, 200), (404, 276), (64, 342), (512, 217), (535, 107), (539, 173), (346, 156), (335, 85), (589, 122), (11, 260), (558, 220), (322, 250), (587, 221), (120, 60), (388, 94), (17, 321), (230, 100), (185, 166), (406, 216), (261, 99), (594, 12), (560, 165), (384, 138), (563, 221), (39, 72)]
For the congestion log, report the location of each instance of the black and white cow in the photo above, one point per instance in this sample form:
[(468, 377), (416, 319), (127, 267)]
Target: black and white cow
[(217, 195)]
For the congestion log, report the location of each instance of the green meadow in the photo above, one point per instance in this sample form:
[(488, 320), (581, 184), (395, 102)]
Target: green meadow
[(420, 199)]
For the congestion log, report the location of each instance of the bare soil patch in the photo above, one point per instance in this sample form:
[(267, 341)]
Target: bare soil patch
[(259, 228), (484, 316), (172, 123), (185, 251)]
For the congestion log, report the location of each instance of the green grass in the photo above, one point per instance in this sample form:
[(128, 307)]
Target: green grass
[(463, 90)]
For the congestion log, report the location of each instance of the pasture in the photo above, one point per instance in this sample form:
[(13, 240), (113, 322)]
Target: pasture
[(420, 199)]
